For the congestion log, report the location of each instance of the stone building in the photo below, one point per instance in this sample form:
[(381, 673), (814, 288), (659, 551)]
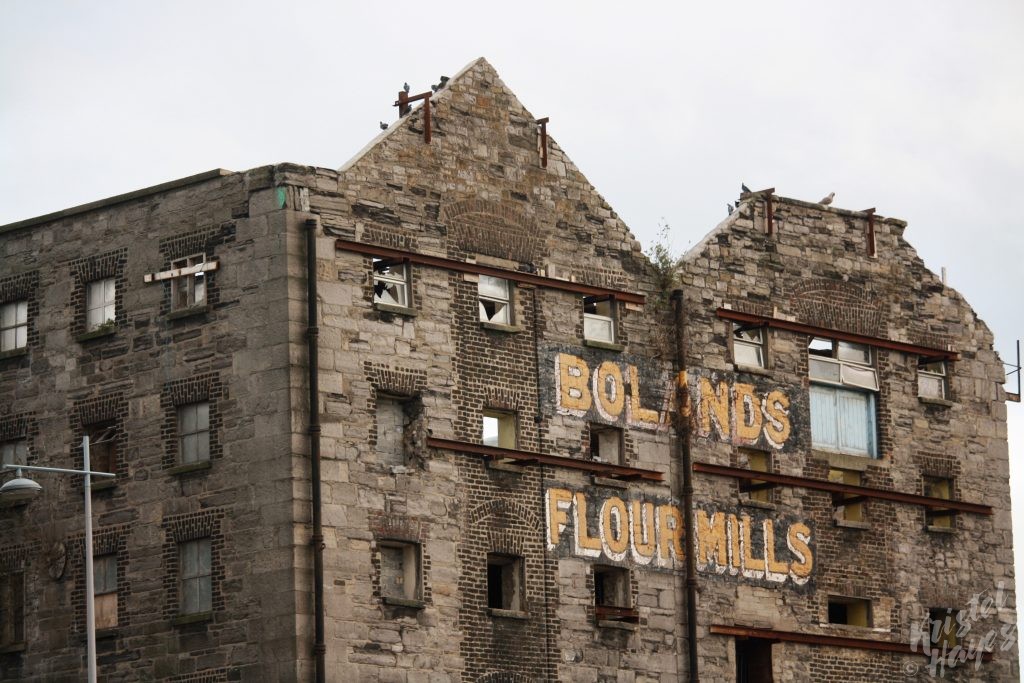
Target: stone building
[(486, 468)]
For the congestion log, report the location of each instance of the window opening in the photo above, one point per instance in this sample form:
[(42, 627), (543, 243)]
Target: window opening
[(400, 570), (188, 290), (499, 429), (606, 444), (13, 326), (104, 581), (844, 382), (196, 576), (505, 582), (14, 452), (939, 487), (495, 300), (850, 611), (194, 432), (391, 282), (757, 489), (848, 507), (748, 345), (932, 379), (100, 298), (599, 318)]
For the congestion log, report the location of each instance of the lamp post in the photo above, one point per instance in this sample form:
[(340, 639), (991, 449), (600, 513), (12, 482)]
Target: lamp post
[(21, 488)]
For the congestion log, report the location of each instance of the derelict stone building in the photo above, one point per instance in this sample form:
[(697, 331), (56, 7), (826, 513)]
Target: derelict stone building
[(434, 417)]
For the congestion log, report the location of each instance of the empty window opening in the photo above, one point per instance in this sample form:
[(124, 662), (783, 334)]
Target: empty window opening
[(758, 490), (505, 582), (944, 624), (194, 432), (850, 611), (495, 300), (13, 326), (844, 383), (748, 345), (400, 570), (499, 429), (606, 444), (190, 289), (100, 303), (104, 581), (102, 446), (14, 452), (753, 660), (12, 608), (599, 318), (196, 578), (391, 283), (848, 507), (393, 420), (932, 379), (939, 487)]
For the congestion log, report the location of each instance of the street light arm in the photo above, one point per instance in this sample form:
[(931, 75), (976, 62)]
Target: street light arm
[(35, 468)]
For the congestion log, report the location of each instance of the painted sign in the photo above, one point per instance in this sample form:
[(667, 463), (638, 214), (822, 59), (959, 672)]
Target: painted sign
[(610, 389), (722, 408), (611, 528)]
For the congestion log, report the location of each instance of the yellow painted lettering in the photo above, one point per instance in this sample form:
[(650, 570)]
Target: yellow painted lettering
[(643, 528), (750, 562), (637, 413), (712, 543), (573, 373), (713, 408), (559, 501), (608, 388), (773, 567), (776, 409), (614, 527), (583, 538), (798, 538), (747, 409), (670, 532)]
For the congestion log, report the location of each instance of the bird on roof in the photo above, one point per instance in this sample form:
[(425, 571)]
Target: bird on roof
[(405, 87), (383, 126), (744, 188), (728, 207), (827, 200)]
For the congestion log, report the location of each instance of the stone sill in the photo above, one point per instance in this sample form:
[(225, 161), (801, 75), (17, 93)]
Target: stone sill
[(191, 467), (851, 524), (598, 480), (197, 618), (940, 529), (403, 602), (104, 331), (505, 467), (752, 369), (180, 313), (607, 346), (620, 625), (759, 504), (14, 353), (844, 461), (508, 613), (498, 327), (14, 648), (400, 310), (928, 400), (102, 484)]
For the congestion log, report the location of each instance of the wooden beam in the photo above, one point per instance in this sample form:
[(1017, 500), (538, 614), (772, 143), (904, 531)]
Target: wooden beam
[(480, 269)]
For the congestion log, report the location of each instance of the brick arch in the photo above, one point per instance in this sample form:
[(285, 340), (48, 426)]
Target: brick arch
[(839, 305), (492, 228), (506, 508), (503, 677)]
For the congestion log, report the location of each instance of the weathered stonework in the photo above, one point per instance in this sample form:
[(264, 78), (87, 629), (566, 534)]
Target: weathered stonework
[(478, 197)]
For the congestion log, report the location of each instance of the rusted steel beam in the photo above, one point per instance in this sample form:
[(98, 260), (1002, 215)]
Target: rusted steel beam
[(826, 640), (778, 323), (871, 230), (528, 458), (543, 123), (404, 102), (479, 269), (836, 487)]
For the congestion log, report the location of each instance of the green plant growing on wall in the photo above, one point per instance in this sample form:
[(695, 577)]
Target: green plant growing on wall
[(666, 265)]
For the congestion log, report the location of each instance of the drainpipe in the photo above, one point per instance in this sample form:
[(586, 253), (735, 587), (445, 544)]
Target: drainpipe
[(683, 436), (317, 539)]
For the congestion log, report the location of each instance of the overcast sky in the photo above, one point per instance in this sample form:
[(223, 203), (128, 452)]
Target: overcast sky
[(915, 108)]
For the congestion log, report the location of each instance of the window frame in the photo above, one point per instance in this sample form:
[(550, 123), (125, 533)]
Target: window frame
[(507, 300), (103, 449), (618, 437), (738, 342), (403, 282), (105, 589), (12, 599), (14, 329), (189, 283), (846, 602), (847, 508), (507, 434), (184, 457), (14, 447), (839, 377), (613, 602), (411, 567), (610, 319), (940, 379), (938, 519), (758, 491), (108, 283), (203, 547), (512, 576)]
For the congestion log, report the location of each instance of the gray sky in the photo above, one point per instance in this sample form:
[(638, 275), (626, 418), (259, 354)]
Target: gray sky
[(913, 107)]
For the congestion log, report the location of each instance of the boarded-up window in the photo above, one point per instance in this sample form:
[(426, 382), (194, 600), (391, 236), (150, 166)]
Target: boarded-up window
[(400, 570), (104, 579)]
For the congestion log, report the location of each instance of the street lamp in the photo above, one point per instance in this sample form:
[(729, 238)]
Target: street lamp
[(24, 489)]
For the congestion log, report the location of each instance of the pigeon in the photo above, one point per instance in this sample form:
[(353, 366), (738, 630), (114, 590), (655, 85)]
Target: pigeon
[(383, 126), (728, 207), (405, 87), (827, 200), (744, 188)]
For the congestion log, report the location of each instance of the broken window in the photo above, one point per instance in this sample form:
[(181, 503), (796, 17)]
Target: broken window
[(606, 444), (944, 623), (104, 581), (195, 581), (939, 487), (848, 507), (499, 428), (400, 570), (102, 446), (505, 582), (843, 387), (931, 379), (13, 326), (391, 283), (757, 489), (14, 452), (748, 345), (495, 300), (612, 596), (599, 318), (850, 611), (189, 289), (194, 432), (12, 608), (100, 303)]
